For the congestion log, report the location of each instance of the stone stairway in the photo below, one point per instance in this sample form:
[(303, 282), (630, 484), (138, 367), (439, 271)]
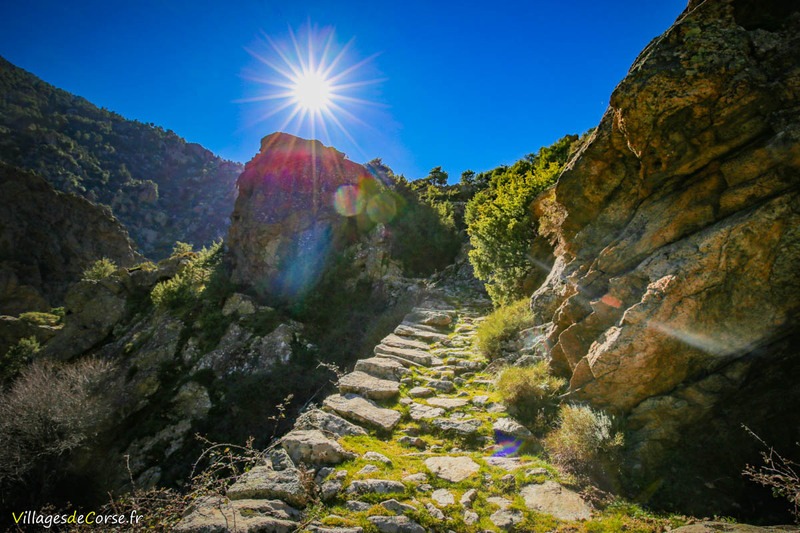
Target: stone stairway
[(409, 444)]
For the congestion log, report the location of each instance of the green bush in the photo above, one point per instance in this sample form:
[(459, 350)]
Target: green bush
[(17, 358), (503, 325), (531, 392), (501, 225), (41, 319), (100, 269), (182, 292), (584, 443)]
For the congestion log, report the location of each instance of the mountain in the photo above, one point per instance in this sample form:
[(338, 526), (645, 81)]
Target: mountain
[(161, 187), (48, 239)]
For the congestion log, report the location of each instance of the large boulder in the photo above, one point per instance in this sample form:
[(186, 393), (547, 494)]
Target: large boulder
[(299, 204), (673, 300)]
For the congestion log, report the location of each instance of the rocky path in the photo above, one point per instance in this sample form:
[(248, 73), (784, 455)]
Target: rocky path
[(414, 441)]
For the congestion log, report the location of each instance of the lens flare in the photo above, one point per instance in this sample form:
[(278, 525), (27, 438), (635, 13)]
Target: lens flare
[(311, 83), (349, 200)]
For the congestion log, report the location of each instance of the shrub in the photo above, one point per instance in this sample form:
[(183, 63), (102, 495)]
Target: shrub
[(584, 443), (100, 269), (531, 392), (501, 326), (51, 410), (501, 225), (16, 358), (41, 319), (181, 248), (182, 292)]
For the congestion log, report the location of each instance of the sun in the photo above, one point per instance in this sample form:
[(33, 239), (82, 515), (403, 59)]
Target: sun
[(312, 91), (315, 86)]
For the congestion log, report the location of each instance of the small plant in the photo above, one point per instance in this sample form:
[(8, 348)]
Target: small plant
[(531, 392), (41, 319), (17, 358), (100, 269), (503, 325), (584, 443), (778, 473), (181, 248)]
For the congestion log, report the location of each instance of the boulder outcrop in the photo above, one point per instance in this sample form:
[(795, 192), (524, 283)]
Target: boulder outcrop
[(300, 203), (675, 287)]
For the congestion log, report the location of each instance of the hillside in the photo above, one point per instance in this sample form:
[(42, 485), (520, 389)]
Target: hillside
[(162, 188)]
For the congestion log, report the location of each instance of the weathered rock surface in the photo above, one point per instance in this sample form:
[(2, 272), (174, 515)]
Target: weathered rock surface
[(328, 423), (286, 224), (674, 296), (362, 411), (553, 499), (312, 447), (453, 469), (368, 386), (48, 239), (262, 482), (381, 367), (240, 516), (377, 486), (395, 524)]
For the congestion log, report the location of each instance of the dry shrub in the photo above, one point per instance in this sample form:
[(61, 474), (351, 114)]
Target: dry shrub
[(501, 326), (584, 443), (52, 409), (531, 392)]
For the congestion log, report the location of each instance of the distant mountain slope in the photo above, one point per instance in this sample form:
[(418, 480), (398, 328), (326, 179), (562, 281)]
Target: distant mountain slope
[(47, 240), (161, 187)]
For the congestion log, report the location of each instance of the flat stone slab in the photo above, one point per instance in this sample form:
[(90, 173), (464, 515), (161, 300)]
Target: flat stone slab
[(382, 368), (512, 428), (219, 514), (506, 519), (313, 447), (420, 392), (375, 486), (507, 463), (443, 385), (462, 427), (403, 342), (553, 499), (411, 354), (395, 524), (418, 333), (443, 497), (362, 411), (430, 317), (447, 403), (452, 469), (328, 423), (264, 483), (368, 386), (418, 412)]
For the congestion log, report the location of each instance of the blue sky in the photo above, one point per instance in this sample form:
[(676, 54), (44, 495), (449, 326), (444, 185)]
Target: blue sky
[(464, 85)]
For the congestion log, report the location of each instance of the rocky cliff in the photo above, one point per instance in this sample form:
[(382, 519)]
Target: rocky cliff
[(300, 205), (161, 187), (47, 240), (674, 296)]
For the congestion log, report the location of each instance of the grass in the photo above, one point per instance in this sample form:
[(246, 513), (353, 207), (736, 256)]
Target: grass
[(501, 326)]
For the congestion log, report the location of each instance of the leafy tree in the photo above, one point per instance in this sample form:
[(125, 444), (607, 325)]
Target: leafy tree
[(501, 225)]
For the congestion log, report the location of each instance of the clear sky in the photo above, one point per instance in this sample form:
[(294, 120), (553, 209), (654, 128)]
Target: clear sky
[(464, 85)]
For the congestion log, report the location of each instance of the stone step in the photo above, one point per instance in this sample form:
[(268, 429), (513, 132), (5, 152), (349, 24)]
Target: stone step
[(404, 342), (417, 356), (362, 411), (382, 368), (433, 318), (405, 362), (368, 386), (414, 332)]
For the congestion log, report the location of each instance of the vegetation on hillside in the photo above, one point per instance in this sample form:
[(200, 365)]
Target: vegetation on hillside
[(161, 187), (500, 222)]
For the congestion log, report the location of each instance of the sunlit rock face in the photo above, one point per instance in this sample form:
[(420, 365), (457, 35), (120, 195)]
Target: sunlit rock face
[(675, 294), (299, 204)]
